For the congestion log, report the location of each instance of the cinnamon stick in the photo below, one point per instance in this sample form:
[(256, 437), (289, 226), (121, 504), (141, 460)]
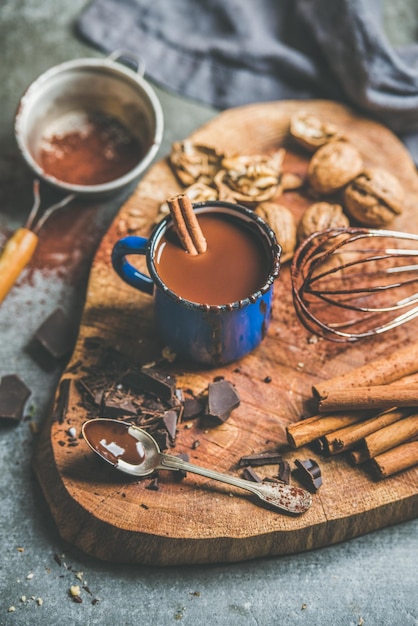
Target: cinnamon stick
[(363, 398), (306, 431), (187, 225), (391, 436), (381, 371), (345, 438), (395, 460)]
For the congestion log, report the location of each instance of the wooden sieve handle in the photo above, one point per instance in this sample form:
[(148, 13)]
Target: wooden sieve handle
[(16, 254)]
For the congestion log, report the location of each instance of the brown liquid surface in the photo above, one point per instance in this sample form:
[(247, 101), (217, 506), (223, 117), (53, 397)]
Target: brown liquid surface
[(113, 442), (88, 149), (234, 266)]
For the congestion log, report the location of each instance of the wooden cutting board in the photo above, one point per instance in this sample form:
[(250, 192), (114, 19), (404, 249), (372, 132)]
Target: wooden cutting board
[(112, 517)]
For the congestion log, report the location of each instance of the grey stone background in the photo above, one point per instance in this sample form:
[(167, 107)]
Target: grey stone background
[(371, 580)]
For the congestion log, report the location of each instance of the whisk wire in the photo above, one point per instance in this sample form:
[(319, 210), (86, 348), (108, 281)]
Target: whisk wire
[(333, 277)]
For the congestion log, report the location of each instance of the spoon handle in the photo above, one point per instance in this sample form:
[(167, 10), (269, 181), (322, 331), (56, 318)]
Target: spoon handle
[(277, 495)]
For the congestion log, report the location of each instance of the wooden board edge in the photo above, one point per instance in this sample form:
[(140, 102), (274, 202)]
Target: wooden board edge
[(103, 541)]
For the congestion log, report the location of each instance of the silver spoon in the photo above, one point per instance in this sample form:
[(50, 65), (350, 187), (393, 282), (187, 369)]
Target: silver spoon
[(133, 451)]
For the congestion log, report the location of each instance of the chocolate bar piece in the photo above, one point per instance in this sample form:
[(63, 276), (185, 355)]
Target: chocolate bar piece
[(222, 399), (13, 396), (263, 458), (170, 423), (250, 474), (56, 334), (309, 474)]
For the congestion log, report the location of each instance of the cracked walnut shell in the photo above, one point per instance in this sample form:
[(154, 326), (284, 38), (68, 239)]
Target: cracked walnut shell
[(374, 198), (312, 133), (282, 222), (333, 166), (320, 216), (194, 163), (250, 179)]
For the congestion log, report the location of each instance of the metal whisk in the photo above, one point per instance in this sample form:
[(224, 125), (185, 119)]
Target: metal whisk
[(350, 283)]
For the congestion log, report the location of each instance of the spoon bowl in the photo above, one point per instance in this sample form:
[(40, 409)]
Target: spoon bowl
[(134, 451)]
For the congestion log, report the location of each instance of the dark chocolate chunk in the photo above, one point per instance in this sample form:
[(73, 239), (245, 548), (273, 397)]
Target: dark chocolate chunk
[(153, 485), (13, 396), (185, 457), (170, 422), (61, 406), (150, 380), (262, 458), (56, 334), (284, 472), (250, 474), (222, 399), (267, 379), (192, 408), (162, 439), (115, 404), (309, 474)]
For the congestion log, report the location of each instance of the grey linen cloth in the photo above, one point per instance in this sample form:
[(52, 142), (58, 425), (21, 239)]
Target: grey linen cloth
[(232, 52)]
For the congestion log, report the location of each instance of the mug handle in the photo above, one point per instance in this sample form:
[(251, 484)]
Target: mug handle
[(129, 273)]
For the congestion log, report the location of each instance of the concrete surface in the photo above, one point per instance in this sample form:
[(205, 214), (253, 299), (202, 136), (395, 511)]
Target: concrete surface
[(371, 580)]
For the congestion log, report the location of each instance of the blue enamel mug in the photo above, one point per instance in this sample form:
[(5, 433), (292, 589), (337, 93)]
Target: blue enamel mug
[(204, 333)]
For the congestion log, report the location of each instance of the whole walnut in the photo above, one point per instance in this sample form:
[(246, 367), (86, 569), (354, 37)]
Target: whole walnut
[(333, 166), (374, 197), (320, 216), (282, 222)]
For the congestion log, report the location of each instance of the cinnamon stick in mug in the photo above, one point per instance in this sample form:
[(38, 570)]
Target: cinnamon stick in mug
[(187, 225)]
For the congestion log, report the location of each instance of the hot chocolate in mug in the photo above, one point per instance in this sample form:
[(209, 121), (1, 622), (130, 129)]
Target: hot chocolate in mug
[(215, 307)]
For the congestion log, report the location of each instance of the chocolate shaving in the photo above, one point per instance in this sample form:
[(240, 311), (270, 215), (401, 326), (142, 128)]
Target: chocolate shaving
[(309, 474), (222, 399), (13, 396)]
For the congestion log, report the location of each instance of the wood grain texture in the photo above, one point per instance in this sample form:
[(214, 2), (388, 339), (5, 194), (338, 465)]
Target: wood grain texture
[(114, 518)]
